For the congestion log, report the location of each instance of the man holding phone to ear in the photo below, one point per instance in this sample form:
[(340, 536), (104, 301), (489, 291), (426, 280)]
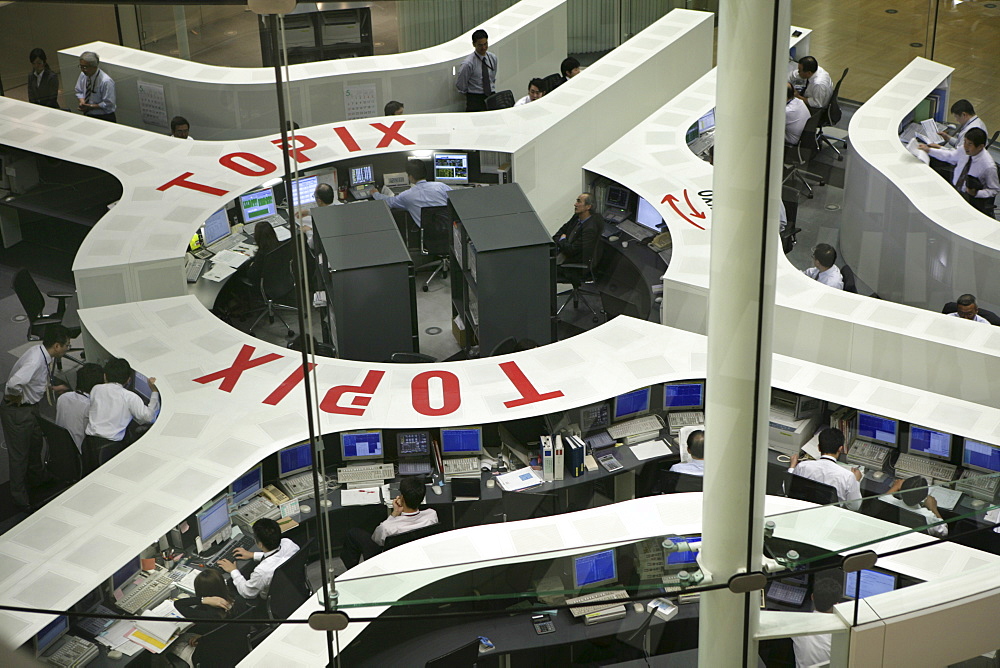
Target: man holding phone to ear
[(405, 516)]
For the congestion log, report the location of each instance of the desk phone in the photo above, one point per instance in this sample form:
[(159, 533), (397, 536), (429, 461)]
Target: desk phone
[(274, 495)]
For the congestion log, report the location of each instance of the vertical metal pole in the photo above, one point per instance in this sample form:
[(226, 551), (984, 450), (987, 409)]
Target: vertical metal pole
[(180, 27), (750, 94)]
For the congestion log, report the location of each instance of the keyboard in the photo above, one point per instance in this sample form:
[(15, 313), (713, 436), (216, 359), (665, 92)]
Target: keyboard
[(414, 468), (595, 602), (194, 269), (259, 507), (786, 593), (226, 552), (301, 486), (702, 143), (460, 465), (640, 429), (395, 190), (73, 651), (635, 230), (909, 465), (229, 243), (978, 485), (365, 473), (684, 419), (867, 454), (153, 591), (615, 217)]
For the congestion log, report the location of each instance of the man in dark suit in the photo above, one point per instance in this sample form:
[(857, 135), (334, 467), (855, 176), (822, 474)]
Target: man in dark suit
[(578, 237)]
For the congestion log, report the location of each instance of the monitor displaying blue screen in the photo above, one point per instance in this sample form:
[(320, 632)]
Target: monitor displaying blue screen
[(594, 569), (687, 557), (462, 441), (216, 227), (872, 583), (246, 485), (125, 574), (683, 396), (451, 167), (52, 632), (294, 459), (257, 205), (929, 442), (981, 456), (304, 191), (706, 122), (647, 215), (632, 403), (361, 445), (413, 443), (877, 428), (362, 175), (140, 384), (213, 520)]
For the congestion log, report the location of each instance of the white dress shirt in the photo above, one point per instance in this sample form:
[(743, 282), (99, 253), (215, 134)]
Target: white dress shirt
[(977, 318), (102, 93), (811, 650), (112, 407), (983, 168), (72, 414), (470, 73), (831, 276), (940, 530), (956, 141), (404, 522), (827, 471), (819, 87), (693, 467), (524, 100), (267, 563), (30, 375), (797, 114), (421, 194)]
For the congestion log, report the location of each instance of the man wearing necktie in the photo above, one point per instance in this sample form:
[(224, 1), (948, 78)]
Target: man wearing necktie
[(95, 90), (975, 174), (477, 75)]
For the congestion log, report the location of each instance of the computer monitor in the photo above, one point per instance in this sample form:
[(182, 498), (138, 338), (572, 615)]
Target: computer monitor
[(648, 216), (872, 583), (355, 445), (462, 441), (617, 197), (706, 122), (363, 175), (124, 575), (593, 570), (257, 205), (930, 443), (52, 632), (304, 191), (631, 404), (213, 521), (451, 167), (413, 443), (294, 459), (981, 456), (595, 417), (246, 486), (692, 134), (140, 385), (675, 559), (878, 429), (216, 227), (683, 396)]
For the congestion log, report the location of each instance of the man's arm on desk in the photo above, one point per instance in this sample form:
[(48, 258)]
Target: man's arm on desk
[(247, 588)]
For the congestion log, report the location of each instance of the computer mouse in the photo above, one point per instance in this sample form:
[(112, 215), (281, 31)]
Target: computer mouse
[(114, 655), (326, 503), (613, 238), (436, 489), (976, 504), (878, 475), (304, 508)]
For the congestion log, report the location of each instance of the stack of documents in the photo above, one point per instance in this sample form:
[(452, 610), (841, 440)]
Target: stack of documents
[(519, 479)]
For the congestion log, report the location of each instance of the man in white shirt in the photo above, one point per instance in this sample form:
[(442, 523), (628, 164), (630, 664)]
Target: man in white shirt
[(422, 193), (73, 408), (824, 270), (797, 114), (276, 551), (325, 196), (405, 516), (180, 128), (536, 90), (27, 385), (827, 471), (812, 83), (112, 407), (695, 448), (95, 90), (965, 120), (967, 309), (828, 589), (975, 174), (911, 494)]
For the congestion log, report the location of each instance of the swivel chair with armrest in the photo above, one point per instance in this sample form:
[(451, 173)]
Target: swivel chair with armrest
[(64, 458), (289, 586), (503, 99), (33, 303), (273, 276), (435, 241), (412, 535), (850, 284), (829, 117), (799, 156), (583, 279), (804, 489), (552, 82)]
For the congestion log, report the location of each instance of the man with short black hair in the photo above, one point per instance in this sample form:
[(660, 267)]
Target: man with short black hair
[(814, 650), (975, 174), (180, 128), (536, 90), (827, 471), (112, 407), (967, 309), (73, 408), (812, 83), (95, 90), (405, 516), (275, 551), (965, 120), (569, 68), (393, 108), (695, 448), (824, 270), (477, 75), (422, 193)]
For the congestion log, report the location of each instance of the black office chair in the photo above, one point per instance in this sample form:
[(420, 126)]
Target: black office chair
[(670, 482), (904, 517), (97, 452), (988, 316), (850, 284), (64, 458), (552, 82), (33, 303), (435, 240), (503, 99), (799, 156), (322, 349), (274, 278), (412, 358), (583, 278), (289, 586), (223, 647), (830, 116), (410, 536), (805, 489)]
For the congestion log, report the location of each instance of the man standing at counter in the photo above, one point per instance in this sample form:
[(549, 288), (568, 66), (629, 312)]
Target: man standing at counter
[(477, 75), (975, 174), (95, 90), (812, 83)]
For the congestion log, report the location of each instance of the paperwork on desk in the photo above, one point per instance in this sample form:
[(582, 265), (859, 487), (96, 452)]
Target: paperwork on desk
[(218, 272), (946, 498), (283, 233), (914, 148), (366, 496), (519, 479), (650, 449), (230, 258), (155, 636)]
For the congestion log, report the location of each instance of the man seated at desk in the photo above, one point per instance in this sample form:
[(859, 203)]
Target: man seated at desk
[(112, 407), (578, 237), (827, 471), (814, 650), (405, 516), (812, 83), (975, 174), (824, 270), (966, 308), (911, 494), (325, 196), (695, 448), (965, 120), (796, 116), (422, 193), (276, 551)]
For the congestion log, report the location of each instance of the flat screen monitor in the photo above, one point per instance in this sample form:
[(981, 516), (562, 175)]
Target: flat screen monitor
[(930, 443), (52, 632), (462, 441), (294, 459), (592, 570), (246, 486), (413, 443), (257, 205), (706, 122), (595, 417), (356, 445), (304, 191), (362, 175), (451, 167), (683, 396), (685, 557), (140, 385), (872, 583), (648, 216), (981, 456), (878, 429), (692, 134), (631, 404), (216, 227), (213, 520), (125, 574), (617, 197)]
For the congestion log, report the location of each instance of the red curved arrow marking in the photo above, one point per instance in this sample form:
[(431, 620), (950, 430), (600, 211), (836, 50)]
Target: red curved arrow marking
[(694, 212), (670, 199)]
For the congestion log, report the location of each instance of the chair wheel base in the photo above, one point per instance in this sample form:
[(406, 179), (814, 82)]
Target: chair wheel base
[(425, 288), (809, 196), (291, 334), (840, 158), (822, 183)]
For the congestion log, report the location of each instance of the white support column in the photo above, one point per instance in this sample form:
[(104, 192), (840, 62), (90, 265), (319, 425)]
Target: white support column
[(752, 58)]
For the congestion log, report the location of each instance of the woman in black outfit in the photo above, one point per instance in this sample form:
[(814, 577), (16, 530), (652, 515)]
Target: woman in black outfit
[(43, 83), (212, 602)]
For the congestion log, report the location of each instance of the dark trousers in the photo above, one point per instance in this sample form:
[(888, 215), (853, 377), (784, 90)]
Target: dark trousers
[(358, 544), (98, 450), (475, 102), (23, 436), (105, 117)]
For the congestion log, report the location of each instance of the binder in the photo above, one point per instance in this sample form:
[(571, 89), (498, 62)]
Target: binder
[(558, 459), (574, 451), (548, 456)]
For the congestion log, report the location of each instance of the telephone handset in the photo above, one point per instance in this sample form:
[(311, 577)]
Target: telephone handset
[(274, 495)]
